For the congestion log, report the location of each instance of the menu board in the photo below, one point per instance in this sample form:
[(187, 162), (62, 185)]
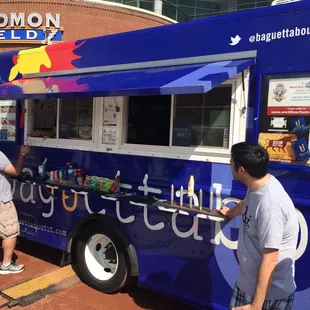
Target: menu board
[(289, 97), (7, 120)]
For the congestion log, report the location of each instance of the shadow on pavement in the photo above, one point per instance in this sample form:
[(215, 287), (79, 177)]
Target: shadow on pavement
[(147, 299), (40, 251)]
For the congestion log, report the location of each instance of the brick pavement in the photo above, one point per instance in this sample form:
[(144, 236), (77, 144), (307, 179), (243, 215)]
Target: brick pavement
[(39, 259)]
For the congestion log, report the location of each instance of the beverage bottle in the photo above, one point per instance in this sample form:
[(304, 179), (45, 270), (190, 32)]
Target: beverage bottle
[(70, 173)]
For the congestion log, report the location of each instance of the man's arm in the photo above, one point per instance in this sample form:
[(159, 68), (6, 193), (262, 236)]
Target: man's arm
[(264, 276), (17, 168), (235, 211)]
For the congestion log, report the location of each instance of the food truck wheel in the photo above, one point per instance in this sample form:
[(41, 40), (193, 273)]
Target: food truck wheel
[(102, 259)]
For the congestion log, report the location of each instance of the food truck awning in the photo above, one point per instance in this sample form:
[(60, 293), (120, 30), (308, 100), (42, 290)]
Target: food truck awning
[(186, 79)]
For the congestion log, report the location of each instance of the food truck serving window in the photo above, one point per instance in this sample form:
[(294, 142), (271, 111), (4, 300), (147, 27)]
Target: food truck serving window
[(285, 118), (200, 126), (202, 121), (70, 118), (149, 120)]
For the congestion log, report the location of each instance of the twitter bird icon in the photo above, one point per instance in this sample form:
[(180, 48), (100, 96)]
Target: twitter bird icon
[(235, 40)]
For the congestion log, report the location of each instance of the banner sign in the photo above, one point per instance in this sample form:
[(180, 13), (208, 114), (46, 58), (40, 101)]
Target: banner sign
[(32, 28)]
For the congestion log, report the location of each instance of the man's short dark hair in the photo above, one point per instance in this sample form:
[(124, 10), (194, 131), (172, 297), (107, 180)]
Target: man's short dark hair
[(252, 157)]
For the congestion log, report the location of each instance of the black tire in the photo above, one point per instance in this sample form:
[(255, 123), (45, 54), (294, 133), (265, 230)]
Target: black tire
[(122, 274)]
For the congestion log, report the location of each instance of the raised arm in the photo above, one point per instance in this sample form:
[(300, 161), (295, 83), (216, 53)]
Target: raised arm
[(17, 168)]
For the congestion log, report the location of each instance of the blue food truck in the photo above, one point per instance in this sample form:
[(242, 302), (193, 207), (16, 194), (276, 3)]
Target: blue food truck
[(131, 136)]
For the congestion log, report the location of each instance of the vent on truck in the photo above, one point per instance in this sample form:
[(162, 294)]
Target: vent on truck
[(277, 2)]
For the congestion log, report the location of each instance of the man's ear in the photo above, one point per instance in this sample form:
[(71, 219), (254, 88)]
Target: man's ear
[(241, 169)]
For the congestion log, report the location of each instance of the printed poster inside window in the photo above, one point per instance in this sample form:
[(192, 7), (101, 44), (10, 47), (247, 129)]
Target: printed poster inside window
[(109, 115), (109, 128), (279, 146), (285, 127), (289, 97), (7, 120), (286, 138), (109, 135)]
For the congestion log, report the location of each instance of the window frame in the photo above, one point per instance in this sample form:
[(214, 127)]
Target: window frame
[(237, 130), (239, 101), (57, 142)]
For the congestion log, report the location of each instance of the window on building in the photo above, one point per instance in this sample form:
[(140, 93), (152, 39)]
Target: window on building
[(147, 5), (192, 120), (187, 13), (131, 2), (285, 118), (182, 10), (69, 118), (249, 4), (206, 9), (169, 10)]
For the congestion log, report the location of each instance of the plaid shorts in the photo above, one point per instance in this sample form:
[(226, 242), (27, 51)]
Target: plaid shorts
[(239, 298)]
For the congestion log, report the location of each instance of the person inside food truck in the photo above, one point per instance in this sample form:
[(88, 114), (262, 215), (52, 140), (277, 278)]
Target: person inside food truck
[(44, 119)]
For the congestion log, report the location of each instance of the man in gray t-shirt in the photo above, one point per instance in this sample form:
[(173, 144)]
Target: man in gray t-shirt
[(268, 234), (9, 225)]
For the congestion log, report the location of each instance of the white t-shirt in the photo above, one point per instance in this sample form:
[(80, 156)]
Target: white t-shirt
[(5, 186), (269, 220)]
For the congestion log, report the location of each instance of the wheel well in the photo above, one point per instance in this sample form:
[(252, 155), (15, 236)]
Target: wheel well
[(106, 220)]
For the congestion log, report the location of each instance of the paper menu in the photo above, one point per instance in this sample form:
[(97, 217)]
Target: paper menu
[(109, 135)]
